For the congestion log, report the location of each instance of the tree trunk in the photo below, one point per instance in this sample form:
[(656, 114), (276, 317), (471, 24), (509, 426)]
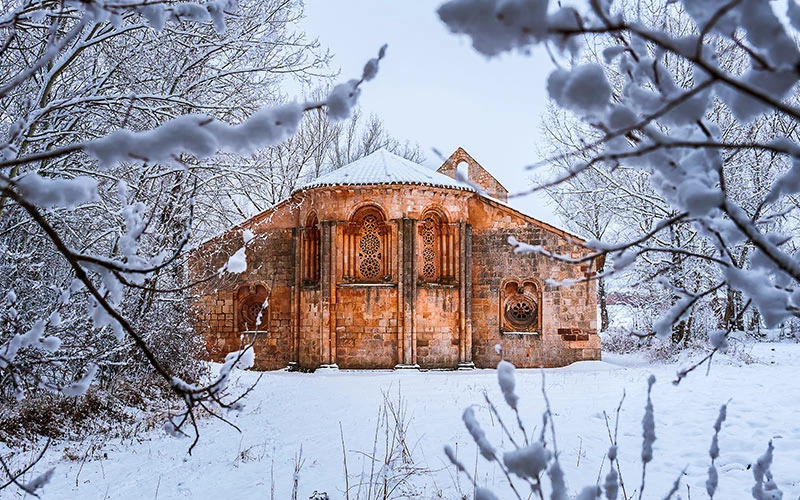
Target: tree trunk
[(731, 317), (601, 300)]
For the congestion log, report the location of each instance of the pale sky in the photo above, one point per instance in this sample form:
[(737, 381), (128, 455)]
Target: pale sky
[(434, 89)]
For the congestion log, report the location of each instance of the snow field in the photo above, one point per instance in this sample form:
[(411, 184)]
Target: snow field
[(288, 411)]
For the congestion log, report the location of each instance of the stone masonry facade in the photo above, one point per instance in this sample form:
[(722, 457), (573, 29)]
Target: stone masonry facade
[(377, 276)]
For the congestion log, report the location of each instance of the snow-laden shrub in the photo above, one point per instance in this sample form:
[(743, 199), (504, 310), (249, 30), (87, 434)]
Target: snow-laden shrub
[(123, 375), (55, 416), (620, 341)]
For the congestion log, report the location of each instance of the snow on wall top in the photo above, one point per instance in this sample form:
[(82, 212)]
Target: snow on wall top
[(383, 167)]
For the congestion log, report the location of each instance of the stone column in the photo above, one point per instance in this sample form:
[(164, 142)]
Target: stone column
[(407, 290), (403, 349), (328, 288), (465, 296), (297, 263)]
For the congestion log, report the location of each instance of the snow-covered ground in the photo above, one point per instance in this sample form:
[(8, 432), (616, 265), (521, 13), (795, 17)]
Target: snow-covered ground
[(290, 411)]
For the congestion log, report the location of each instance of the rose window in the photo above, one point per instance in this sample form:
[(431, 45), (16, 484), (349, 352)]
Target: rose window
[(250, 311), (520, 311)]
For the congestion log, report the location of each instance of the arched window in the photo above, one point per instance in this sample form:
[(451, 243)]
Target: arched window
[(431, 254), (310, 251), (521, 307), (251, 308), (366, 241), (462, 170), (370, 252), (437, 247)]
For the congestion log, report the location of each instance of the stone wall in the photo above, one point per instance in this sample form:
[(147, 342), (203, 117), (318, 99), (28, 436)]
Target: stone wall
[(568, 328), (366, 327), (216, 307), (437, 326), (310, 351)]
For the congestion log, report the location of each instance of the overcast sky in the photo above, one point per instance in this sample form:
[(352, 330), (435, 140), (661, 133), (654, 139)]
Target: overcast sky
[(434, 89)]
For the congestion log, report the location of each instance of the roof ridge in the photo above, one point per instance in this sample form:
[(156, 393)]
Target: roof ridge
[(384, 167)]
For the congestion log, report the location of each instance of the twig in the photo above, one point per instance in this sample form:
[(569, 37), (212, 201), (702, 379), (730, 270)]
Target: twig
[(344, 459)]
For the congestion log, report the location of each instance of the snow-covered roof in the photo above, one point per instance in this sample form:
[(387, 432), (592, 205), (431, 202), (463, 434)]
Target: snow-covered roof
[(383, 167)]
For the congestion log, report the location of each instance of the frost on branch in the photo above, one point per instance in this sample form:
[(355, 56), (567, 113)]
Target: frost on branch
[(718, 340), (487, 450), (765, 488), (33, 338), (537, 464), (484, 494), (203, 136), (648, 431), (689, 110), (589, 493), (72, 71), (663, 326), (529, 461), (237, 263), (505, 378), (451, 455), (63, 193), (524, 248), (343, 97), (198, 135), (648, 425), (157, 14), (584, 90), (496, 26), (713, 452), (371, 67), (611, 483), (80, 386), (38, 482), (213, 392), (557, 481)]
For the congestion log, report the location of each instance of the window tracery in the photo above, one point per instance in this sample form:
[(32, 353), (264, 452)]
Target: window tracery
[(437, 245), (520, 306), (370, 249), (251, 307), (366, 247), (428, 252)]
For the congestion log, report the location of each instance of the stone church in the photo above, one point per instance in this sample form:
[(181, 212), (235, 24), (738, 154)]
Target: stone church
[(385, 263)]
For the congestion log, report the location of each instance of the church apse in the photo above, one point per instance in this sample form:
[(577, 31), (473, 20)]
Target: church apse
[(387, 264)]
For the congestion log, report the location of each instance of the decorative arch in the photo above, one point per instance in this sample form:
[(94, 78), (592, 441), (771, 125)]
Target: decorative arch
[(310, 254), (367, 246), (251, 309), (437, 213), (366, 207), (521, 306), (436, 243)]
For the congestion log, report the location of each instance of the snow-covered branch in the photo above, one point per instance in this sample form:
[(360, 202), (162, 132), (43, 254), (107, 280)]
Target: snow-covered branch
[(681, 108)]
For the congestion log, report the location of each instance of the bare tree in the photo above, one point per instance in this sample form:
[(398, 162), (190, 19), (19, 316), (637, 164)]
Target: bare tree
[(268, 176), (353, 140), (672, 127), (96, 222)]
